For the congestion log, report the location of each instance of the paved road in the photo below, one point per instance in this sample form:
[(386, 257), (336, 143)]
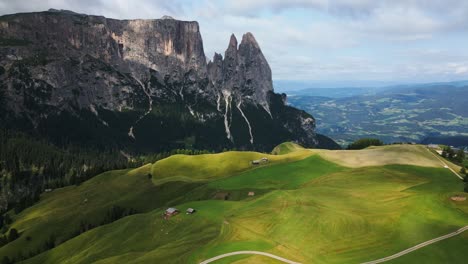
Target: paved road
[(250, 253), (411, 249), (394, 256), (445, 164)]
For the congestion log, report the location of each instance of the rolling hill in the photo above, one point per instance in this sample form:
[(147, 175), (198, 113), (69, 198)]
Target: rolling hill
[(310, 206)]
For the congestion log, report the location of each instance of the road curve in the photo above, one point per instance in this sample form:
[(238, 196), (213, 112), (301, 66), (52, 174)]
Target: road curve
[(249, 253), (411, 249)]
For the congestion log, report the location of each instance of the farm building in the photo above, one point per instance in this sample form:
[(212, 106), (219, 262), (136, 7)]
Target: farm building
[(171, 211), (191, 211), (251, 194), (260, 161)]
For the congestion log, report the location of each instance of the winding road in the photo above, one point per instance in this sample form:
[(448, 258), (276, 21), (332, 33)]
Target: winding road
[(411, 249), (394, 256), (249, 253)]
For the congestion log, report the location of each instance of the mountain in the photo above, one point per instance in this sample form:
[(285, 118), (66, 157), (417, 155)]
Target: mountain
[(394, 114), (139, 85)]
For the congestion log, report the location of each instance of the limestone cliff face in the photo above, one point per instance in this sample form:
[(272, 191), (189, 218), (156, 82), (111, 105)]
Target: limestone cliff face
[(140, 81), (244, 72), (103, 58)]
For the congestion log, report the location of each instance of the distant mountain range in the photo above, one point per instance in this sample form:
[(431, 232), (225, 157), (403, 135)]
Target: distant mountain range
[(393, 114)]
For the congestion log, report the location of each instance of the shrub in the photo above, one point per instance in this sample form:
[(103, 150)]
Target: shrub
[(13, 235), (364, 143)]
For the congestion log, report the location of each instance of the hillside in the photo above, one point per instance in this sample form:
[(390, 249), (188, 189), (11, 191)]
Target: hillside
[(351, 211), (395, 114)]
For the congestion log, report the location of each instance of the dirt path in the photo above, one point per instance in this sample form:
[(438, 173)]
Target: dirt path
[(445, 164), (249, 253), (411, 249)]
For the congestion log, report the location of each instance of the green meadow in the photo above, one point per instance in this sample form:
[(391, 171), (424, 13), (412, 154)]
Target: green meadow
[(306, 207)]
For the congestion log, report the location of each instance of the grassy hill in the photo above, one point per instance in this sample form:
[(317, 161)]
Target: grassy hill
[(285, 148), (311, 206)]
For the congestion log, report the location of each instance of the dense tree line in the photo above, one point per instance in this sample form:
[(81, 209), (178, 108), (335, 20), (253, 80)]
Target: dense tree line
[(29, 166), (151, 158), (454, 156), (364, 143)]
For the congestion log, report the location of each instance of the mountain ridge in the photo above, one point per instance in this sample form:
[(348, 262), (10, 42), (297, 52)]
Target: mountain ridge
[(135, 80)]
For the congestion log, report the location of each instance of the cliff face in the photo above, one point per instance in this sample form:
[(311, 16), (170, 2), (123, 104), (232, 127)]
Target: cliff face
[(79, 52), (244, 72), (134, 81)]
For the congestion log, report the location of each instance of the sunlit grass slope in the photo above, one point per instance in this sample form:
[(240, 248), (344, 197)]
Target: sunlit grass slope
[(309, 210), (452, 250), (285, 148), (211, 166), (61, 212), (378, 156)]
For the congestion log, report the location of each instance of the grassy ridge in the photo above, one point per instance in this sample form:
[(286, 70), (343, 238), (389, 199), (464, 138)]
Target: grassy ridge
[(212, 166), (379, 156), (309, 210), (285, 148)]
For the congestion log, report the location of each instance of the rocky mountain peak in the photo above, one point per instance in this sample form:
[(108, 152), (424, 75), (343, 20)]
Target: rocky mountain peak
[(167, 17), (249, 39), (233, 42)]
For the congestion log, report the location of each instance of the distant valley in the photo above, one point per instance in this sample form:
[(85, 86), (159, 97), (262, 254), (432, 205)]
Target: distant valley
[(393, 114)]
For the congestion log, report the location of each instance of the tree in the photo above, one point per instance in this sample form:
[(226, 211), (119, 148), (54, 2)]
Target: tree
[(13, 235), (460, 155), (50, 243), (463, 170), (6, 260), (364, 143)]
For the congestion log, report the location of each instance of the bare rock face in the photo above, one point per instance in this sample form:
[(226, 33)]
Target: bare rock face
[(140, 80), (245, 73), (95, 57)]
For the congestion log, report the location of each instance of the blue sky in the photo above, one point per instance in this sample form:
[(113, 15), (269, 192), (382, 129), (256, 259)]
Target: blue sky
[(394, 41)]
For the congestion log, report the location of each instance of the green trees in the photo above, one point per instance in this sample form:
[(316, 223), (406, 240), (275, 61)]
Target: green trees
[(6, 260), (465, 178), (13, 235), (28, 166), (457, 157), (364, 143), (460, 156), (448, 152)]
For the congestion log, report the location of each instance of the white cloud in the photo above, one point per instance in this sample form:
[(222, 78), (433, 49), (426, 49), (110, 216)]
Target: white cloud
[(339, 39)]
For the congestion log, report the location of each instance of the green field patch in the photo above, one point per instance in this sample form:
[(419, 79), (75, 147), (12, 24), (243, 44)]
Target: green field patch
[(211, 166), (281, 176)]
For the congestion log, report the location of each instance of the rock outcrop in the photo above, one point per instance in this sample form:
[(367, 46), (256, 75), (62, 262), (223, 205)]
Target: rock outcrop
[(127, 83)]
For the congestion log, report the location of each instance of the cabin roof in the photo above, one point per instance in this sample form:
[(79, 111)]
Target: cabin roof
[(171, 210)]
